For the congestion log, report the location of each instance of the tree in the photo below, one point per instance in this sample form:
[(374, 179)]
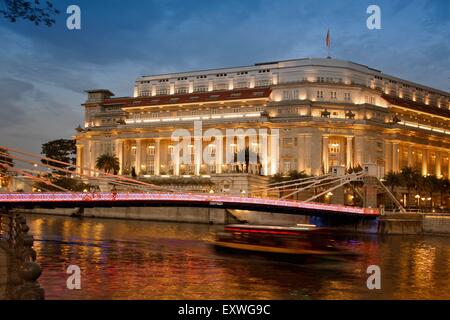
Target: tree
[(292, 175), (108, 162), (444, 188), (5, 159), (61, 150), (75, 185), (411, 180), (430, 184), (36, 11), (392, 180)]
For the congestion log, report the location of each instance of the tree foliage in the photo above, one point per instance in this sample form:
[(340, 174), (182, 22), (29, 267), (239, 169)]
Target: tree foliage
[(61, 150), (393, 180), (36, 11), (4, 159), (108, 163), (292, 175), (412, 180), (71, 184)]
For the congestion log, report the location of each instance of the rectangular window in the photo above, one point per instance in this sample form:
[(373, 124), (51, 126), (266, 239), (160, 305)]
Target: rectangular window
[(241, 84), (212, 149), (319, 94), (334, 147), (162, 91), (201, 89), (262, 83), (287, 166), (290, 94), (181, 90), (220, 86), (151, 150)]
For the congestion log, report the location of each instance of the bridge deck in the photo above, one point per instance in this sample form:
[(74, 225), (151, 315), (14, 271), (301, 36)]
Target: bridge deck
[(107, 199)]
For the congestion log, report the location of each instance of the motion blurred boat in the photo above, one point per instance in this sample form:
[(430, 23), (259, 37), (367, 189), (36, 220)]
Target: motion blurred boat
[(299, 240)]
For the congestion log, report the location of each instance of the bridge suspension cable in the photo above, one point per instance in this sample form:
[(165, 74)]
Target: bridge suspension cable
[(123, 180), (345, 179), (98, 178), (39, 179)]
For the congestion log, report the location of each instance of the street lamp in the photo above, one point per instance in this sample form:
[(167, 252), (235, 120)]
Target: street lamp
[(418, 199)]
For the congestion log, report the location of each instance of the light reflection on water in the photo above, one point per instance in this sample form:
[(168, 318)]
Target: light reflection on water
[(152, 260)]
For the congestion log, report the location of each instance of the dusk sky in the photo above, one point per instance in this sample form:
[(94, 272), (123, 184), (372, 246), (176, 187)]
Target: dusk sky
[(44, 71)]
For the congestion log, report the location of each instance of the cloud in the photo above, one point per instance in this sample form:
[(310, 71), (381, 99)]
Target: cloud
[(44, 71), (13, 93)]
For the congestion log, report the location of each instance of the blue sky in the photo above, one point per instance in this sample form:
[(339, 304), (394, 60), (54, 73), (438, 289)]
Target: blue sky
[(44, 71)]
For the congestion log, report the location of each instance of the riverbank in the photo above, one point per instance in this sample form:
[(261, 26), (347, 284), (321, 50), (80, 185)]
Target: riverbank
[(398, 223)]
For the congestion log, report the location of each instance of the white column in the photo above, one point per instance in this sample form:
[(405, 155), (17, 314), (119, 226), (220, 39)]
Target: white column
[(301, 163), (359, 151), (448, 166), (349, 153), (219, 153), (198, 148), (138, 156), (79, 159), (119, 154), (388, 156), (87, 157), (92, 156), (304, 153), (410, 157), (424, 162), (325, 153), (395, 151), (264, 151), (157, 157), (274, 150), (438, 164)]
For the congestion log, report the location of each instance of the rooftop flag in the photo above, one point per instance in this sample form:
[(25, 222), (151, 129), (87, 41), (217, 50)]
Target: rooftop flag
[(328, 42), (328, 39)]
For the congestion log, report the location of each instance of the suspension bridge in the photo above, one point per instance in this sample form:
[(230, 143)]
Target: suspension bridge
[(122, 191)]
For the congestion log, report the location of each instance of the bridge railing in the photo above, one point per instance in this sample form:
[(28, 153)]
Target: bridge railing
[(80, 198), (23, 271)]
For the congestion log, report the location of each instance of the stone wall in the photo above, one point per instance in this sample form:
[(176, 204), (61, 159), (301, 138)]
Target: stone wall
[(436, 223)]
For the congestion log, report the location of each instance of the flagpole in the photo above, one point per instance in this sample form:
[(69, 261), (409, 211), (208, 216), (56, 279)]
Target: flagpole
[(328, 43)]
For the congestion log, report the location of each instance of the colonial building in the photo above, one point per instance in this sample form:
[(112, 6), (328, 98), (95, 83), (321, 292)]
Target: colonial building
[(309, 115)]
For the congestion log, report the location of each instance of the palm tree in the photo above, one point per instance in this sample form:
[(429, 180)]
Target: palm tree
[(410, 179), (108, 162), (392, 180), (444, 188), (431, 184)]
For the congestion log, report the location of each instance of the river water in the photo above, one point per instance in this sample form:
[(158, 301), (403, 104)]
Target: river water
[(122, 259)]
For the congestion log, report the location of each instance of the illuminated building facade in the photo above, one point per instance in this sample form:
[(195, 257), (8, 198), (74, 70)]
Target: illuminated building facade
[(326, 112)]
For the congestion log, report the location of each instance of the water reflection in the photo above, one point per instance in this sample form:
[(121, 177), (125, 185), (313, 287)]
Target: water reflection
[(149, 260)]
